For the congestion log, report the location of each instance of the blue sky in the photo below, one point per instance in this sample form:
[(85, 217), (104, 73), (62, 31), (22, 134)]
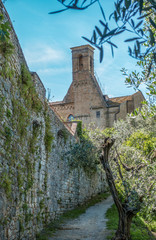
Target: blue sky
[(46, 41)]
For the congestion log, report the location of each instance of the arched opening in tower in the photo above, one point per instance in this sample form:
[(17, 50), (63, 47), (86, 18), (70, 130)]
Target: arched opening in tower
[(80, 62)]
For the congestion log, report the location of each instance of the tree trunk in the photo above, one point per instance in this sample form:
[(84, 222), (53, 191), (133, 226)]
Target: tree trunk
[(125, 216), (123, 232)]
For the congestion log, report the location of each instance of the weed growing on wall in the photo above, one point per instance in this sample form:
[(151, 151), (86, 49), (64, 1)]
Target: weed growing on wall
[(5, 183), (2, 100), (48, 139), (6, 47), (28, 90)]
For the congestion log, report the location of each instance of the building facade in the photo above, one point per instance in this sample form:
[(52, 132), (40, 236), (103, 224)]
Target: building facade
[(85, 100)]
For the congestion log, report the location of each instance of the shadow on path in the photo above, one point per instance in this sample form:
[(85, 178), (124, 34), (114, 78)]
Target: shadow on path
[(89, 226)]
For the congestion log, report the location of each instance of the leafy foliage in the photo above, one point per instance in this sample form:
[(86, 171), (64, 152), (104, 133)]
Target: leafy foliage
[(128, 16), (134, 155), (74, 4), (84, 153), (28, 90)]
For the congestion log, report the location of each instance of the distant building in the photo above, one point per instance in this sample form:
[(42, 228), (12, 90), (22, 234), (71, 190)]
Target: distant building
[(85, 100)]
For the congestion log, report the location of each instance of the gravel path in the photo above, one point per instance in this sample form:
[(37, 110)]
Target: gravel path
[(89, 226)]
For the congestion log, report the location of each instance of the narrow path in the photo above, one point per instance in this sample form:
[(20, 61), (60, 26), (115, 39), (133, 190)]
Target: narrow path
[(89, 226)]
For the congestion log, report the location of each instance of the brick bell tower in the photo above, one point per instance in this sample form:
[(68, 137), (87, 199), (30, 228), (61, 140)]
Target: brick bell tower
[(83, 69)]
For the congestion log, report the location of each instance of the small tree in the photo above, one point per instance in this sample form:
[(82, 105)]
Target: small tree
[(128, 158)]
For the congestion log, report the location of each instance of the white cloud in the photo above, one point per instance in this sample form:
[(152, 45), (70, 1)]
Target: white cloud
[(42, 53), (53, 71)]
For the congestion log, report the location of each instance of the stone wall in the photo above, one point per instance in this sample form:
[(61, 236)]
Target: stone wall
[(37, 183)]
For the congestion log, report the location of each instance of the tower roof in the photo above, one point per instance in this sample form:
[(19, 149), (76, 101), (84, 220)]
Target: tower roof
[(83, 47)]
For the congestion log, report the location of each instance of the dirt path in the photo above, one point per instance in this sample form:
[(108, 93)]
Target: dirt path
[(89, 226)]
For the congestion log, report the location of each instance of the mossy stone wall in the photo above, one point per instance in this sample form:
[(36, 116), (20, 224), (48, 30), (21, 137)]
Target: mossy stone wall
[(36, 181)]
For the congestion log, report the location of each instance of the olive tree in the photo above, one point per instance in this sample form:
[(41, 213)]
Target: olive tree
[(128, 158)]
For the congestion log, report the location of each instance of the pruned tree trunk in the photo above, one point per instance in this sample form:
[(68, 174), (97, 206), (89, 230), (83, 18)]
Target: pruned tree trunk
[(125, 215), (125, 219)]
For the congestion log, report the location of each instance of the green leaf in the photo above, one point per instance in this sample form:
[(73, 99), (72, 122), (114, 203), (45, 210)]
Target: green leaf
[(112, 44), (133, 25), (145, 15), (105, 31), (104, 24), (154, 57), (112, 51), (83, 2), (94, 36), (141, 31), (87, 40), (121, 31), (152, 23), (98, 31), (111, 16), (103, 14), (141, 5), (135, 6), (152, 40), (136, 51), (139, 24), (130, 51), (132, 39), (115, 16), (101, 54), (138, 45), (112, 32), (123, 12), (127, 3), (62, 10), (118, 6)]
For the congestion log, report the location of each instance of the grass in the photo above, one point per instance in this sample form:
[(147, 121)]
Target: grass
[(72, 214), (139, 230)]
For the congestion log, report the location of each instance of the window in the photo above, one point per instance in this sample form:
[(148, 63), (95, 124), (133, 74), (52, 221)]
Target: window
[(91, 63), (80, 62), (70, 118), (97, 114)]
